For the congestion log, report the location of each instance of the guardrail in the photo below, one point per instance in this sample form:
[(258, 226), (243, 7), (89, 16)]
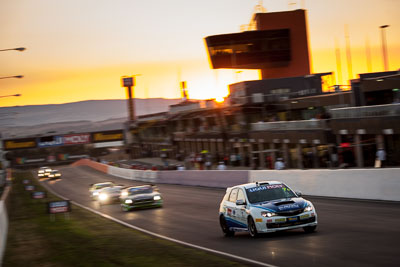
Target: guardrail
[(289, 125), (366, 111)]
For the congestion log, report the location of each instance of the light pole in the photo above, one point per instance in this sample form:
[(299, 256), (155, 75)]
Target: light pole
[(16, 76), (20, 49), (384, 48)]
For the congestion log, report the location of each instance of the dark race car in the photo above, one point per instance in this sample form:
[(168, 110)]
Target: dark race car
[(145, 196)]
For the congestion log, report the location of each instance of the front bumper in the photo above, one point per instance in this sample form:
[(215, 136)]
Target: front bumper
[(109, 200), (281, 223), (141, 204)]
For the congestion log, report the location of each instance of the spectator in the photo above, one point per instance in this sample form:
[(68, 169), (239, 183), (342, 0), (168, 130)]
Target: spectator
[(233, 159), (221, 166), (181, 168), (381, 156), (208, 165), (279, 165)]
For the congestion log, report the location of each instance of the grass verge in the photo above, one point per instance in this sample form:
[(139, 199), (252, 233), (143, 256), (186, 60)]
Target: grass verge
[(85, 239)]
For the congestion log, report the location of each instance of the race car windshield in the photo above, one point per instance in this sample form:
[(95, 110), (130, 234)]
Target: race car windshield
[(137, 191), (99, 186), (266, 193)]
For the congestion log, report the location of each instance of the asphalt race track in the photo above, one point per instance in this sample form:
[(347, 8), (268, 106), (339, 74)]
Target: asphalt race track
[(350, 233)]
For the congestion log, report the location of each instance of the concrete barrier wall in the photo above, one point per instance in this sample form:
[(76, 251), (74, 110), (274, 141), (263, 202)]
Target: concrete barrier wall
[(4, 218), (219, 179), (138, 175), (376, 184), (93, 164), (3, 229)]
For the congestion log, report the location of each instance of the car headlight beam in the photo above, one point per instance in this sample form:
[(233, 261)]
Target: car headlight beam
[(103, 196), (128, 201), (268, 214), (157, 197), (308, 208)]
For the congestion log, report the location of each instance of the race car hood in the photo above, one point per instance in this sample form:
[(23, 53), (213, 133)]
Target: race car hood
[(280, 205), (142, 196)]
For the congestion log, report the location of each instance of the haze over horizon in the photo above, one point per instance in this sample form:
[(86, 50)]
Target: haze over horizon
[(78, 50)]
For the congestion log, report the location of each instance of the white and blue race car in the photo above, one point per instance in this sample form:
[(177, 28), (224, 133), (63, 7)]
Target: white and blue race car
[(264, 207)]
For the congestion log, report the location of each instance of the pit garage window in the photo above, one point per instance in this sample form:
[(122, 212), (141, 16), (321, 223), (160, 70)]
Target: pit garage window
[(233, 195)]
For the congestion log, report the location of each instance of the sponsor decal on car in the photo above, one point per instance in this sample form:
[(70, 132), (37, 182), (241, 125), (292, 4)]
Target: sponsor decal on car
[(265, 187), (289, 206)]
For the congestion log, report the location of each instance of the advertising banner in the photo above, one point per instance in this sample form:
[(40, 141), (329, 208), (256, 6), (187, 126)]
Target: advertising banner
[(50, 141), (19, 143), (58, 206), (76, 139), (29, 188), (107, 136), (38, 195)]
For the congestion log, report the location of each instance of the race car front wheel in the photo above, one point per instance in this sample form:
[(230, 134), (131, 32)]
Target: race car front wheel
[(252, 227), (224, 226)]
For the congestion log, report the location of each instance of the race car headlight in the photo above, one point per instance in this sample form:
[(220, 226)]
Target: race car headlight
[(124, 193), (308, 208), (58, 174), (51, 175), (128, 201), (268, 214), (103, 196), (95, 193), (157, 197)]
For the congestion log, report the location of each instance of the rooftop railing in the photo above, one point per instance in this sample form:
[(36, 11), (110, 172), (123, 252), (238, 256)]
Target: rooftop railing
[(366, 111), (289, 125)]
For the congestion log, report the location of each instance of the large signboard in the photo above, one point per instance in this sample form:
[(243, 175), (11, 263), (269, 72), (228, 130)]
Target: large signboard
[(77, 139), (50, 141), (23, 143), (107, 136), (250, 50)]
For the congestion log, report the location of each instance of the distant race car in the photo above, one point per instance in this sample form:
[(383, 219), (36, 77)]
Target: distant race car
[(54, 174), (145, 196), (94, 189), (44, 172), (109, 195), (264, 207)]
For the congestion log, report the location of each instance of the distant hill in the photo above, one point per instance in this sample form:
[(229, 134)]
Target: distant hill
[(76, 116)]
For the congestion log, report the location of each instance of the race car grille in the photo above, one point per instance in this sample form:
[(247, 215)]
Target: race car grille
[(287, 224), (143, 201), (290, 213)]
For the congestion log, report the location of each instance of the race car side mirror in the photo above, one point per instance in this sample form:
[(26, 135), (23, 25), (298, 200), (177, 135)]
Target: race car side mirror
[(240, 202), (298, 193)]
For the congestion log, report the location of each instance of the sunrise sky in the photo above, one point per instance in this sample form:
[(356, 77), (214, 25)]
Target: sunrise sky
[(78, 49)]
